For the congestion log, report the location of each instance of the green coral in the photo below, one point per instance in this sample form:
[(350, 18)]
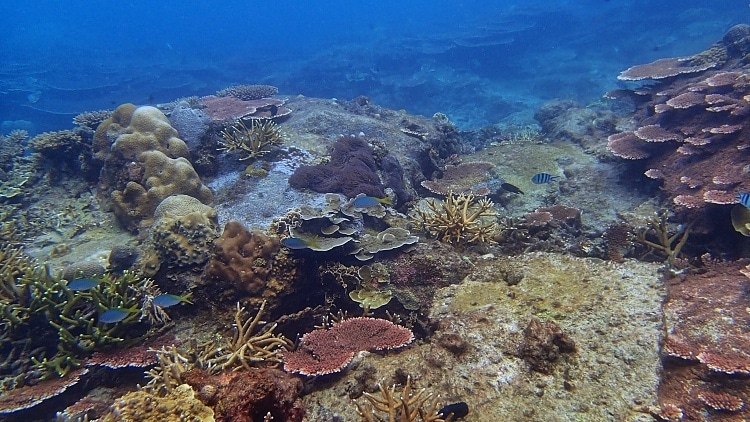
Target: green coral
[(30, 294)]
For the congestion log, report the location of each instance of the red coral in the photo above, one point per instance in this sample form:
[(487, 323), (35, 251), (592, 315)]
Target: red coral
[(327, 351)]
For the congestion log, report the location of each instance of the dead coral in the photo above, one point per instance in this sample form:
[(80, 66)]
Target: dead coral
[(253, 141), (656, 236), (459, 220)]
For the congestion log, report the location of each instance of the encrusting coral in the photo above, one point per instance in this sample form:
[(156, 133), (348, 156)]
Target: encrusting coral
[(177, 406), (459, 219)]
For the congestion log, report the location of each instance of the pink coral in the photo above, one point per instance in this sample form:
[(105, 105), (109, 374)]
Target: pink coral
[(327, 351)]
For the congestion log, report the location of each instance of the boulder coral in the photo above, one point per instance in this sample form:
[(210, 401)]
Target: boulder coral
[(243, 263), (145, 162), (184, 231)]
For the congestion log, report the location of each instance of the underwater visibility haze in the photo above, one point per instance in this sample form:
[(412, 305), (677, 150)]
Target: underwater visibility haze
[(375, 211)]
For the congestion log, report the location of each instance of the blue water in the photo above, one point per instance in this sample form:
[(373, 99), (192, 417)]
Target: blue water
[(480, 62)]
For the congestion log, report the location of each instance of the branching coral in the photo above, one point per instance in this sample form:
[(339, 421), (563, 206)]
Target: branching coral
[(657, 237), (459, 220), (248, 346), (253, 141), (404, 406)]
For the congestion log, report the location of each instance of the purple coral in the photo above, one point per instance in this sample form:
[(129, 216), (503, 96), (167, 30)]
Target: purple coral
[(351, 171)]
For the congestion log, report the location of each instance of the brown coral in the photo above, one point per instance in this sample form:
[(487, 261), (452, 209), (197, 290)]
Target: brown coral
[(184, 237), (242, 261)]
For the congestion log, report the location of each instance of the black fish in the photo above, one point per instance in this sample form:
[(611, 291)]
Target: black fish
[(458, 410), (511, 188)]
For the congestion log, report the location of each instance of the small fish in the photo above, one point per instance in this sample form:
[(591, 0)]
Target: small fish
[(166, 300), (298, 243), (511, 188), (458, 410), (370, 201), (82, 284), (541, 178), (744, 198), (114, 315)]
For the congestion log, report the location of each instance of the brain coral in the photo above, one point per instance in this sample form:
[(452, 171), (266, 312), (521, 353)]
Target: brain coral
[(184, 231), (242, 259)]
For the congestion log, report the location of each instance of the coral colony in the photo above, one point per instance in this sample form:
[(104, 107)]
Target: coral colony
[(251, 256)]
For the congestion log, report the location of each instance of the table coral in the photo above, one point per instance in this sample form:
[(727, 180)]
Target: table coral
[(689, 130)]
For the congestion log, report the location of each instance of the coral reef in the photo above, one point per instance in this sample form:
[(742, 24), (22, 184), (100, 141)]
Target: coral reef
[(325, 351), (459, 219), (261, 394), (142, 405), (243, 264), (251, 142), (351, 170), (248, 92), (183, 231), (145, 162)]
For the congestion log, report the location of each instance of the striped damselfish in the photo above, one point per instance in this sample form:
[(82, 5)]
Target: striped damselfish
[(744, 198), (541, 178)]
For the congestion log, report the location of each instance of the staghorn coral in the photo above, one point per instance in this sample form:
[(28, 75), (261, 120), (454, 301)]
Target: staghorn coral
[(248, 92), (251, 142), (656, 236), (459, 219), (407, 405), (249, 346)]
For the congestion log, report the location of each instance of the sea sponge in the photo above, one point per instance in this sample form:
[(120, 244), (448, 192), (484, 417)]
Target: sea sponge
[(242, 259), (163, 176), (184, 237)]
